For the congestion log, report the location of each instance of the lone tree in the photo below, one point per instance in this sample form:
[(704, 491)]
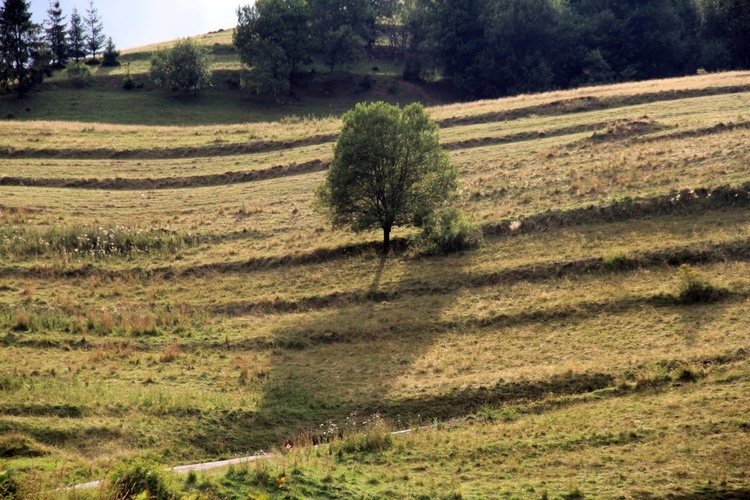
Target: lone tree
[(388, 170), (185, 67)]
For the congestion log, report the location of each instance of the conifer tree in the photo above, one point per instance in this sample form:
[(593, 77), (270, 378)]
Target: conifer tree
[(76, 37), (94, 31), (18, 45), (56, 35), (110, 55)]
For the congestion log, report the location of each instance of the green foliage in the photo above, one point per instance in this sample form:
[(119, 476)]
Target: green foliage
[(76, 37), (366, 83), (184, 68), (94, 31), (446, 231), (514, 46), (694, 289), (79, 74), (139, 479), (19, 45), (16, 445), (725, 40), (9, 383), (8, 485), (340, 46), (272, 39), (412, 70), (56, 35), (374, 438), (341, 29), (110, 57), (388, 170)]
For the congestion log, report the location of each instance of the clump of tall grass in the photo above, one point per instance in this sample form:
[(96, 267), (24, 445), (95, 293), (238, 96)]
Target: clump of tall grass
[(374, 436), (135, 322), (96, 242), (695, 289), (139, 479)]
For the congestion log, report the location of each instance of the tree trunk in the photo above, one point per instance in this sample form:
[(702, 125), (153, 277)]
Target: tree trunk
[(386, 239)]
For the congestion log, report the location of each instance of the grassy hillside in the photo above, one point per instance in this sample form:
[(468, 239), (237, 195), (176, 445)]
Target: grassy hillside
[(104, 100), (167, 292)]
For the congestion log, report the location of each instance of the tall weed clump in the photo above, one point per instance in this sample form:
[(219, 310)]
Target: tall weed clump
[(695, 289), (374, 438), (139, 479), (448, 231)]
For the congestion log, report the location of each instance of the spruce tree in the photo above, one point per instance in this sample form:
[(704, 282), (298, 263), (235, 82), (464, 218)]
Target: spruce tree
[(18, 44), (110, 55), (56, 35), (76, 37), (94, 31)]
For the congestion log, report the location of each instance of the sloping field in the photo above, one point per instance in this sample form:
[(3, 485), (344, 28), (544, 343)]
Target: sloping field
[(169, 293)]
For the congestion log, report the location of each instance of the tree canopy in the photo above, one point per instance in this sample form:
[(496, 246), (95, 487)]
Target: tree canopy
[(273, 39), (388, 169), (184, 67)]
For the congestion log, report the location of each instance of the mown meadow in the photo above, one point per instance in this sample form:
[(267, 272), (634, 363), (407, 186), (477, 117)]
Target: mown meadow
[(168, 293)]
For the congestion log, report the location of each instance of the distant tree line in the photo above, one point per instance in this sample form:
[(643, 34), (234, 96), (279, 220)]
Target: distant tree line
[(496, 47), (29, 52)]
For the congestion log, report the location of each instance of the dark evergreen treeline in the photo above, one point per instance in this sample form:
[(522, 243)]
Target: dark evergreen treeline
[(497, 47), (29, 52)]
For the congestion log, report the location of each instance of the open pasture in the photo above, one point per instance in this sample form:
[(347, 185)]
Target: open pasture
[(170, 293)]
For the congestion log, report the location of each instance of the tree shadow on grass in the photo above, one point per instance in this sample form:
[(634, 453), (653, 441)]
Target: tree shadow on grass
[(341, 365), (349, 356)]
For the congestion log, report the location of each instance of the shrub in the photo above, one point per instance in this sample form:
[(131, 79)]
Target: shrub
[(139, 478), (79, 74), (618, 262), (366, 83), (694, 289), (111, 55), (185, 67), (412, 71), (448, 231)]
